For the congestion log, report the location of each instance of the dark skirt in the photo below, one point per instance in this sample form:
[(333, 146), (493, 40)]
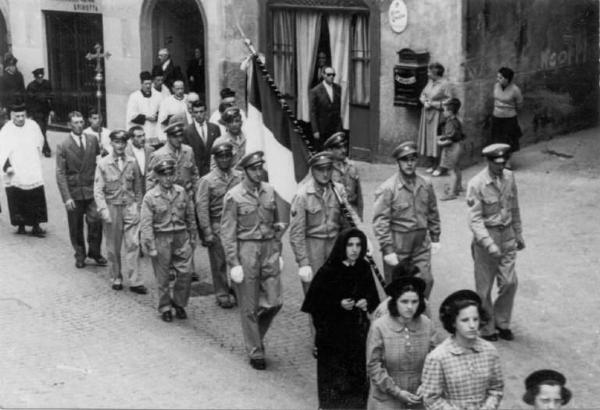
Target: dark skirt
[(506, 131), (26, 206), (342, 378)]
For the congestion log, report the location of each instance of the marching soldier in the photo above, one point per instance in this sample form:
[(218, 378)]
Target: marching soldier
[(345, 171), (406, 221), (168, 234), (495, 220), (251, 231), (118, 195), (234, 134), (209, 207), (186, 173)]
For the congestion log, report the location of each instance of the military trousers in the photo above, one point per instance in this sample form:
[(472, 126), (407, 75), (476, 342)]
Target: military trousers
[(174, 249), (502, 270), (318, 251), (123, 232), (416, 247), (259, 294), (218, 268)]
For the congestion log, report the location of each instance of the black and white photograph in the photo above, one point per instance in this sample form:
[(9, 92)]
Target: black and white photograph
[(300, 204)]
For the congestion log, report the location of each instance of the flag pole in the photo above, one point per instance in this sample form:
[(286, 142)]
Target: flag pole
[(344, 206)]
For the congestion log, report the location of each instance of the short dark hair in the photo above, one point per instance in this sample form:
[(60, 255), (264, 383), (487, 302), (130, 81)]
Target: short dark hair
[(199, 103), (93, 111), (131, 130), (393, 306), (437, 68), (453, 105), (530, 394), (449, 313), (223, 106), (507, 73), (74, 114)]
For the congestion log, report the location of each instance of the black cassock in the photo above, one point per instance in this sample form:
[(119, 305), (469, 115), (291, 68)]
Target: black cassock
[(341, 334)]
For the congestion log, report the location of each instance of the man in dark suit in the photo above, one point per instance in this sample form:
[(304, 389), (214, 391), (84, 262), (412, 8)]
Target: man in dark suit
[(171, 72), (200, 135), (140, 151), (325, 107), (75, 171)]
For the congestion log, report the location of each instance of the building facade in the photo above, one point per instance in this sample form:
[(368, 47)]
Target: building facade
[(551, 44)]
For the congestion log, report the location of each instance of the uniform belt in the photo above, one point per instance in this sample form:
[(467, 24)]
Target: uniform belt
[(499, 227)]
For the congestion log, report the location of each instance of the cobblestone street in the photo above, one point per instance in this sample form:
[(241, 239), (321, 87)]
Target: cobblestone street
[(68, 340)]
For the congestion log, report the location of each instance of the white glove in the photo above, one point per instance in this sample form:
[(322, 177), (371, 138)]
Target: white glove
[(305, 273), (435, 247), (391, 259), (280, 263), (369, 251), (237, 274)]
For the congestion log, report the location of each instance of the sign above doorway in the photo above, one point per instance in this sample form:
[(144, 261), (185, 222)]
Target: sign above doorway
[(75, 6)]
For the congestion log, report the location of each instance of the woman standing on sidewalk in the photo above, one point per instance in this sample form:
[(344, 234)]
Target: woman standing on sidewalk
[(339, 297), (463, 372), (507, 101), (397, 345), (437, 90)]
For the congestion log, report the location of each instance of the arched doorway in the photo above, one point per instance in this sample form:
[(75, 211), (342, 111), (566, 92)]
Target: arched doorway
[(178, 25)]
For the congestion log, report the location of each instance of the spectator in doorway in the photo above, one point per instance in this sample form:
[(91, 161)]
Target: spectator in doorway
[(195, 72), (432, 97), (171, 72), (319, 71), (507, 101), (39, 98), (158, 82), (12, 85), (325, 107)]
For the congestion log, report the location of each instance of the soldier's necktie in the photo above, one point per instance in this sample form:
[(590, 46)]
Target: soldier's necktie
[(120, 163)]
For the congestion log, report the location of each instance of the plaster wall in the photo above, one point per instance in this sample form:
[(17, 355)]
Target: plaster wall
[(434, 26)]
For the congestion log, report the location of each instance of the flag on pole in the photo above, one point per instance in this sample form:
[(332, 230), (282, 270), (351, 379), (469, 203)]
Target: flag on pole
[(270, 130)]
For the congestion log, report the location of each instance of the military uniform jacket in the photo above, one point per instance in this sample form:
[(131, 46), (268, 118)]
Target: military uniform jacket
[(165, 212), (399, 209), (314, 216), (346, 173), (115, 187), (247, 216), (491, 206), (209, 199), (186, 172)]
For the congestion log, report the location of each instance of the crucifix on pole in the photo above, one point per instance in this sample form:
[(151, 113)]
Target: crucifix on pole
[(99, 56)]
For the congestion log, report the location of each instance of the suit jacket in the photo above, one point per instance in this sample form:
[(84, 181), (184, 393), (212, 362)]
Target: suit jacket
[(171, 74), (325, 115), (75, 172), (201, 150), (143, 168)]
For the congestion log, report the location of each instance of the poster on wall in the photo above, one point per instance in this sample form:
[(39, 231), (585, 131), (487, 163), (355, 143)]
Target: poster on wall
[(398, 16)]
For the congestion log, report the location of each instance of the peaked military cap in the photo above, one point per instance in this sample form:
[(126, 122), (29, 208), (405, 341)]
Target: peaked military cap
[(229, 114), (320, 158), (174, 129), (464, 294), (545, 376), (165, 167), (38, 71), (336, 140), (145, 76), (253, 158), (405, 149), (497, 152), (119, 135), (221, 147)]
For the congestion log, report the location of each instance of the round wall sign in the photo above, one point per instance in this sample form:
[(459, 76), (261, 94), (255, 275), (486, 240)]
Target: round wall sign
[(398, 16)]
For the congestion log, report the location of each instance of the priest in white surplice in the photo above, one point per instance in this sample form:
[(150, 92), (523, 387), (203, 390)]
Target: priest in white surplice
[(143, 106), (21, 142), (173, 109)]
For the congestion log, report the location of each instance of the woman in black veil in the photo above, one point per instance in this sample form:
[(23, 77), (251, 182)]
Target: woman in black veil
[(339, 297)]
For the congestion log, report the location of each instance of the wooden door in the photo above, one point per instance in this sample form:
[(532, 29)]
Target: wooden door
[(70, 37)]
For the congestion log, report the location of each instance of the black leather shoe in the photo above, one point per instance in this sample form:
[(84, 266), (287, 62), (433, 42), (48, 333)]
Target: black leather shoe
[(167, 316), (490, 338), (195, 277), (117, 286), (505, 334), (21, 230), (140, 290), (79, 263), (258, 364), (99, 259), (225, 302), (180, 312)]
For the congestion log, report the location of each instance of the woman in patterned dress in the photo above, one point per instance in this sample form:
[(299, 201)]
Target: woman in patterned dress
[(437, 90), (463, 372)]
